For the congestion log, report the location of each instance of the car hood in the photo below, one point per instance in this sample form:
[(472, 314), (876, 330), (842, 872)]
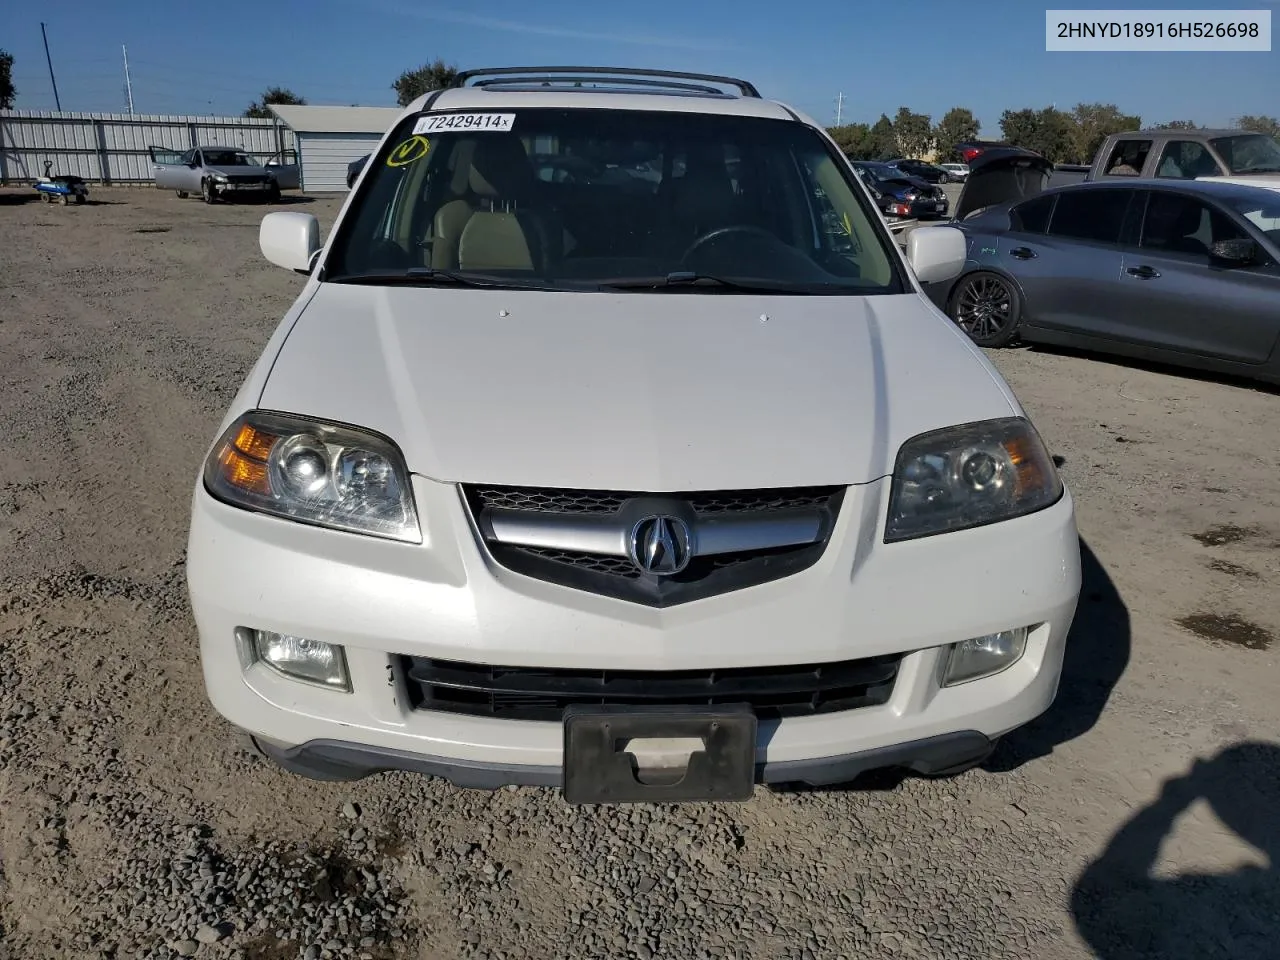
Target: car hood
[(1270, 181), (251, 169), (906, 181), (633, 391), (1002, 175)]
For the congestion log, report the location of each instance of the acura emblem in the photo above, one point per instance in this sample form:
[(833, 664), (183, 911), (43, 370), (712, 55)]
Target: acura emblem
[(660, 545)]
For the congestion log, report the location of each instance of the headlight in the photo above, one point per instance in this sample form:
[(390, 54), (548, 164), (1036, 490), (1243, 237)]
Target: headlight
[(970, 475), (313, 472), (220, 177)]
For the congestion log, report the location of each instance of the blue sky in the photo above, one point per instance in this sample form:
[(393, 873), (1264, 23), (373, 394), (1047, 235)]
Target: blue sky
[(217, 56)]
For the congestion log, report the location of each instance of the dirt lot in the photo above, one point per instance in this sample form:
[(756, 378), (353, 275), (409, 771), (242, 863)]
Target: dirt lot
[(1136, 818)]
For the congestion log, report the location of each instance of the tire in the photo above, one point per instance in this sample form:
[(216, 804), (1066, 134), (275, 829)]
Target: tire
[(273, 195), (182, 194), (63, 199), (80, 198), (945, 178), (207, 192), (987, 307)]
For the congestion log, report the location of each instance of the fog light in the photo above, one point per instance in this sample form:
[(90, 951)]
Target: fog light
[(985, 656), (303, 659)]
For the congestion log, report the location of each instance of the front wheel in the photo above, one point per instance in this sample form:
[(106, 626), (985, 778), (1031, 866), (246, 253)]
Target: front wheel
[(945, 178), (273, 194), (987, 307), (208, 193), (182, 194)]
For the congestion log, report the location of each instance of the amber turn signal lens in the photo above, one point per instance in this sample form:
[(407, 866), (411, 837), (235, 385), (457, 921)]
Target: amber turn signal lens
[(253, 443), (243, 472)]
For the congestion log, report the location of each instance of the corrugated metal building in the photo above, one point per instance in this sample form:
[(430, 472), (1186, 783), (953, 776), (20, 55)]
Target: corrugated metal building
[(112, 147), (329, 138)]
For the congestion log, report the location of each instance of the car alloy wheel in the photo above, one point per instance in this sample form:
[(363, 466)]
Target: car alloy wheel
[(207, 191), (987, 308)]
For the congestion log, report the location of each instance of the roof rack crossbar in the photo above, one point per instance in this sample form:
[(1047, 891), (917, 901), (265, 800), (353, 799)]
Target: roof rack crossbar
[(745, 88), (619, 81)]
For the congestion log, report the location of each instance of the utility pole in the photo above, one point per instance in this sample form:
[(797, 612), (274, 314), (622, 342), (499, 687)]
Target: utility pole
[(56, 102), (128, 86), (839, 108)]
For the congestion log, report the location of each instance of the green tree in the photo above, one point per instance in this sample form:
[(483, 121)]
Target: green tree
[(1050, 132), (1094, 123), (1178, 125), (957, 125), (8, 92), (412, 84), (854, 140), (273, 95), (1268, 125), (883, 143), (912, 133)]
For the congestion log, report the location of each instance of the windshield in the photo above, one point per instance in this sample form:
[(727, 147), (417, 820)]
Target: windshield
[(1249, 153), (226, 158), (1263, 215), (588, 199)]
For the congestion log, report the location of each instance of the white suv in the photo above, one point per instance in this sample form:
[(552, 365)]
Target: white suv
[(612, 444)]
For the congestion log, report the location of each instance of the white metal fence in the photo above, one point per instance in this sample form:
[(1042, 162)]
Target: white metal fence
[(111, 148)]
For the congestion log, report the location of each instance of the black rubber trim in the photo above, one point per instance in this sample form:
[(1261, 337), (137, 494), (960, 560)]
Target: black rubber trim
[(337, 760)]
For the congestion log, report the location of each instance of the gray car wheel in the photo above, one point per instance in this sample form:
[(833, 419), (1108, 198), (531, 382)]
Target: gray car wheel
[(182, 194), (206, 190), (987, 307)]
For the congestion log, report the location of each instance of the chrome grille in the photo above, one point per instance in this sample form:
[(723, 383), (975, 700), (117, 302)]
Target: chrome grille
[(578, 537)]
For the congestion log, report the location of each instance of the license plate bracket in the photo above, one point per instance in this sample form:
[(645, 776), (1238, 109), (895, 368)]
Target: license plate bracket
[(597, 770)]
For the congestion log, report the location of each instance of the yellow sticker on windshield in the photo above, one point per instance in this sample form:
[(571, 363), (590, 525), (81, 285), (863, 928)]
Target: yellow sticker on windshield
[(408, 151)]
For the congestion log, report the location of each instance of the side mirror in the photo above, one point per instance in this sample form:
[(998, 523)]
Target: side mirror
[(1239, 252), (936, 253), (290, 240)]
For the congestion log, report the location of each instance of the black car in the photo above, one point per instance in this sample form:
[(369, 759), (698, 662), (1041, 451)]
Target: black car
[(902, 195), (354, 168), (924, 171)]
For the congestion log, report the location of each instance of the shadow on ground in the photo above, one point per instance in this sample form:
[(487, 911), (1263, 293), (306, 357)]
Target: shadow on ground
[(1241, 380), (1124, 913)]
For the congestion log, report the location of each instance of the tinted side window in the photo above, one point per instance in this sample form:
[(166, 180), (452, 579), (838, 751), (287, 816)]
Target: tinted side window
[(1032, 216), (1090, 215), (1186, 160), (1179, 224), (1127, 158)]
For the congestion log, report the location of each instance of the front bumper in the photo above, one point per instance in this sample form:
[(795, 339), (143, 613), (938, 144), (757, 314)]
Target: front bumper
[(445, 598)]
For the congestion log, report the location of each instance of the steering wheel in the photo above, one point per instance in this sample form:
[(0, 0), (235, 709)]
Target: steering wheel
[(719, 232)]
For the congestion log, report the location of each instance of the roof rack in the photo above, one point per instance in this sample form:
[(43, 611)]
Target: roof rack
[(621, 76)]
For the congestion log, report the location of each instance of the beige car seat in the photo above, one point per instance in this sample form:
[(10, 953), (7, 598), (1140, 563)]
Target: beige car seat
[(452, 217), (503, 233)]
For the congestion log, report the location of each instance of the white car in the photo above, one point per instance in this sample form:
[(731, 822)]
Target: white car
[(649, 487), (958, 171)]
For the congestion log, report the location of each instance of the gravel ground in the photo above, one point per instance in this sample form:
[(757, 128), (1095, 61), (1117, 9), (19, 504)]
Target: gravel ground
[(1134, 819)]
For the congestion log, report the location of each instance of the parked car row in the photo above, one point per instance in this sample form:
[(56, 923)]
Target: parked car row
[(900, 195), (1175, 270)]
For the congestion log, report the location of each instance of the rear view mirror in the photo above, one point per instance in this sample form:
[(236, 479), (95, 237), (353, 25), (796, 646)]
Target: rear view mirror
[(1240, 251), (290, 240), (936, 253)]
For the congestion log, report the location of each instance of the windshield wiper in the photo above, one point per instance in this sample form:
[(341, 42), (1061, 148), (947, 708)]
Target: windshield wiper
[(685, 280), (432, 276), (1265, 168)]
